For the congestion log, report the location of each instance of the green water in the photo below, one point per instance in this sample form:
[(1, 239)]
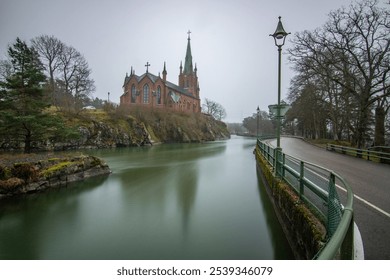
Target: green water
[(177, 201)]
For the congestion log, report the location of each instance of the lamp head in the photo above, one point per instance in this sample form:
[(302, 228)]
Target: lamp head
[(280, 34)]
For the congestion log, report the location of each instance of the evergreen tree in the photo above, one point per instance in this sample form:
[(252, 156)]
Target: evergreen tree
[(23, 100)]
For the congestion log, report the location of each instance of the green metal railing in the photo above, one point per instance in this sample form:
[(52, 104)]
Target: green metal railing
[(318, 188), (361, 153)]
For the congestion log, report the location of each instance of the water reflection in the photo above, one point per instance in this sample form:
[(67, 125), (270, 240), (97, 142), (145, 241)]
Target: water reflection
[(179, 201), (23, 220), (279, 243)]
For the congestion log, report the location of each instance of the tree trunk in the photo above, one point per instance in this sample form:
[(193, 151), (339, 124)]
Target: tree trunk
[(27, 142), (363, 122), (380, 115)]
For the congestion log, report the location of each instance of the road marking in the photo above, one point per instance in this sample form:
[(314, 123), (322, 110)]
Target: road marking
[(367, 203)]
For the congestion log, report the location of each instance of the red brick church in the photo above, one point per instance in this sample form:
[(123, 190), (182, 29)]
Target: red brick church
[(151, 91)]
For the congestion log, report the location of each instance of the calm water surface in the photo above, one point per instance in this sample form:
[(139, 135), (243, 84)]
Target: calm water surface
[(179, 201)]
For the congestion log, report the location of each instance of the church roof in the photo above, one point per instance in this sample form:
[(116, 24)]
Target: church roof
[(154, 79), (177, 88)]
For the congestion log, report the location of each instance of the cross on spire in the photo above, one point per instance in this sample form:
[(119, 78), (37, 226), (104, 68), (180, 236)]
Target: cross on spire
[(147, 66), (189, 33)]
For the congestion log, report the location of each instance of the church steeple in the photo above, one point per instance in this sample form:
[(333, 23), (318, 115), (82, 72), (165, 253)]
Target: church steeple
[(188, 77), (188, 69)]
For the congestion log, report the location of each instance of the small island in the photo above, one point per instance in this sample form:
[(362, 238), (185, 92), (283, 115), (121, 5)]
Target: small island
[(30, 173)]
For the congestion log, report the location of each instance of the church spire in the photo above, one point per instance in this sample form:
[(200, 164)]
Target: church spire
[(188, 69), (164, 72)]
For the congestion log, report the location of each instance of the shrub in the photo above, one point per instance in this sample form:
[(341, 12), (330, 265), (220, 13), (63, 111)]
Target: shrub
[(25, 171)]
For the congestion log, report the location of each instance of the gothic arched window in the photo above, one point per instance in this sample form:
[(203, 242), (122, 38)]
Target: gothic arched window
[(146, 93), (133, 94), (158, 95)]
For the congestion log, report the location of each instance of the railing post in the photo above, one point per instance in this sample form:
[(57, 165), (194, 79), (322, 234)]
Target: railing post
[(347, 251), (359, 153), (334, 207), (283, 164), (275, 162), (301, 175), (278, 162)]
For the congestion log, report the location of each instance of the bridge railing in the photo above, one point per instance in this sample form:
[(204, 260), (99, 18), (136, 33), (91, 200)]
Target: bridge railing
[(318, 187), (361, 153)]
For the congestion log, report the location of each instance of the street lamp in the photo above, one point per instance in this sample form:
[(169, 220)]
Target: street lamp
[(257, 130), (280, 37)]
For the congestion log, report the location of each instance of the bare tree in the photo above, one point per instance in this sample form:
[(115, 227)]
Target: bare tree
[(214, 109), (75, 75), (353, 51), (68, 70), (50, 50)]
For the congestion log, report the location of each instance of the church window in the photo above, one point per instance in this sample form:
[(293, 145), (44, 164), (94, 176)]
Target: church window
[(146, 94), (158, 95), (133, 94)]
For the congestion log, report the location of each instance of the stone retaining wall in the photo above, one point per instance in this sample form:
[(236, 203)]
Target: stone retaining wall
[(305, 233)]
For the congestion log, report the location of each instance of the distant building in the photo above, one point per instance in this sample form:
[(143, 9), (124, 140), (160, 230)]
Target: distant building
[(151, 91)]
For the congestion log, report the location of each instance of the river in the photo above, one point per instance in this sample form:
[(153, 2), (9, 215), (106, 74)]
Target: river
[(170, 201)]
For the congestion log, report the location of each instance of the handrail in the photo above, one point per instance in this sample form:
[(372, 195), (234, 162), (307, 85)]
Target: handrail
[(360, 153), (299, 174)]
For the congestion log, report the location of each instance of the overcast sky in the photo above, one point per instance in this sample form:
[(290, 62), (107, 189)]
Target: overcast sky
[(230, 43)]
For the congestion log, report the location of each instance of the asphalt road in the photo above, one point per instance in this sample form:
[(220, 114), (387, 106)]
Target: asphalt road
[(370, 183)]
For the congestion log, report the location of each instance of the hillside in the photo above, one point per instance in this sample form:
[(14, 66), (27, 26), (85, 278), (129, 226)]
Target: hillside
[(117, 128)]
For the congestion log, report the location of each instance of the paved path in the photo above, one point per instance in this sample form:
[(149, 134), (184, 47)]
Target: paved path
[(370, 183)]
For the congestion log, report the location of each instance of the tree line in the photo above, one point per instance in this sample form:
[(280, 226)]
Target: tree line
[(342, 86), (35, 77), (258, 124)]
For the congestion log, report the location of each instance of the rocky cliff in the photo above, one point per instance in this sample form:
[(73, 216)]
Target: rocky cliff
[(92, 129), (101, 129)]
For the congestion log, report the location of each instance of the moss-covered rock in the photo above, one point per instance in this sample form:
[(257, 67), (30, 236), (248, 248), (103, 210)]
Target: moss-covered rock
[(40, 174)]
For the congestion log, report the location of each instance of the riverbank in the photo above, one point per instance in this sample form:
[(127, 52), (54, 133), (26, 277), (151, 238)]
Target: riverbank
[(30, 173)]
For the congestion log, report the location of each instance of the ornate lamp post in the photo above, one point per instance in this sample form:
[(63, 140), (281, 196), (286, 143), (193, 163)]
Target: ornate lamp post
[(280, 37)]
